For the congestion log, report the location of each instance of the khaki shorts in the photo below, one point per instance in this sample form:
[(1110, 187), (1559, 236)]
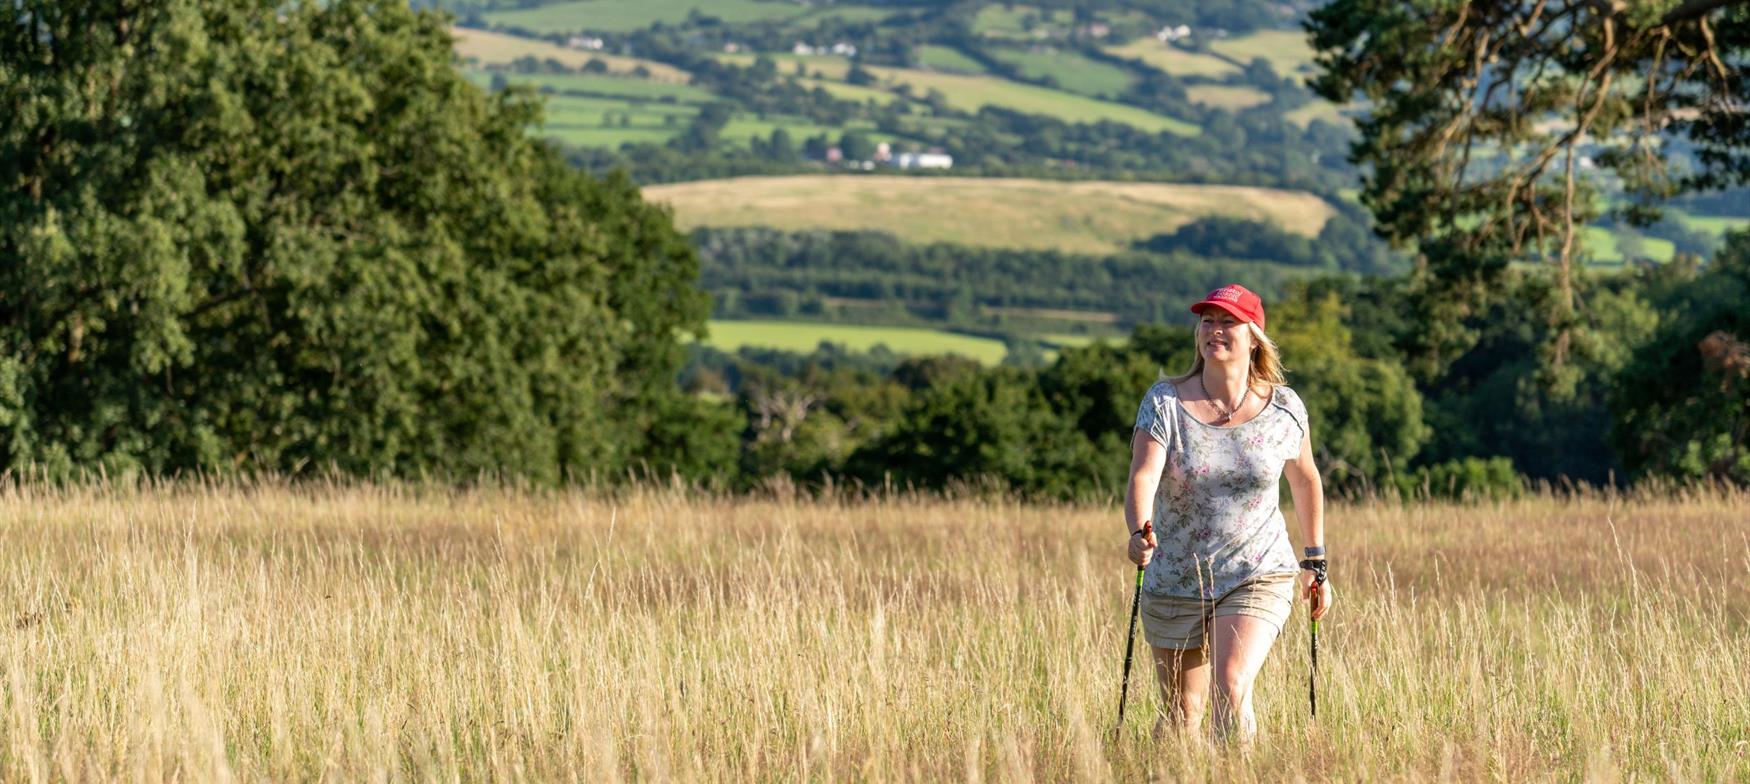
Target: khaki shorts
[(1180, 624)]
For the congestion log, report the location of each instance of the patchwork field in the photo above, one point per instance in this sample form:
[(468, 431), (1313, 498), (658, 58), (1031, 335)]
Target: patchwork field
[(609, 122), (273, 632), (1085, 217), (1011, 21), (1316, 110), (828, 66), (1613, 247), (1226, 97), (1072, 71), (843, 12), (596, 85), (850, 92), (804, 337), (1173, 60), (743, 126), (1287, 51), (608, 16), (1714, 225), (944, 58), (970, 93), (486, 48)]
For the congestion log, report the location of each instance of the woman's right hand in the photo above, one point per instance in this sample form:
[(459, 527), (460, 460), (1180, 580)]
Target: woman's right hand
[(1142, 545)]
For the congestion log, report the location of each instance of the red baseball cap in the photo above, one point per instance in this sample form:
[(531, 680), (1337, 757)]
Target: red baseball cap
[(1235, 299)]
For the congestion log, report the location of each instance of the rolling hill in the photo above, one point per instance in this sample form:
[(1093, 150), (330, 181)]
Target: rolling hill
[(1078, 217)]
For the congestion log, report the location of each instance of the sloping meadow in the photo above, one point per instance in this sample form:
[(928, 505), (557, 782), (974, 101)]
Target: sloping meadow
[(276, 631)]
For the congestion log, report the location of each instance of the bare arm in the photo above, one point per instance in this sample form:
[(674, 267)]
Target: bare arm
[(1147, 457), (1309, 495), (1309, 508)]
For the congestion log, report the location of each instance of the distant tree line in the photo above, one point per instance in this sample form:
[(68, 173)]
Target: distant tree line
[(767, 272), (1344, 243), (1669, 398)]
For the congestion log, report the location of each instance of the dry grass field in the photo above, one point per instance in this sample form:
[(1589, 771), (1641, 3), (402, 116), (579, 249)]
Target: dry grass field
[(1072, 216), (1317, 110), (204, 632), (1286, 50), (489, 48), (1226, 97), (1171, 59), (828, 66)]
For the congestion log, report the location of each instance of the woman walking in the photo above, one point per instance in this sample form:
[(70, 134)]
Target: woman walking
[(1220, 575)]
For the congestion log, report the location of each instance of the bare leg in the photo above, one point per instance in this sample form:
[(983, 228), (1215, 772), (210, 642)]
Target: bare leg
[(1239, 645), (1183, 676)]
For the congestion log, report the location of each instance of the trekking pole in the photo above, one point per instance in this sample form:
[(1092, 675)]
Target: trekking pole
[(1130, 641), (1312, 680)]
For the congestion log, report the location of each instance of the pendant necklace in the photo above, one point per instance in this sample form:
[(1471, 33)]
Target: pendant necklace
[(1226, 415)]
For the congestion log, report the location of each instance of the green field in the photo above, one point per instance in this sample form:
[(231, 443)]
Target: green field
[(844, 13), (621, 17), (1077, 341), (1081, 217), (828, 66), (971, 93), (1072, 71), (609, 137), (1712, 225), (1317, 109), (1173, 60), (804, 337), (486, 48), (743, 126), (1286, 50), (1606, 246), (1226, 97), (947, 58), (999, 21), (850, 92), (584, 109), (598, 85), (595, 122)]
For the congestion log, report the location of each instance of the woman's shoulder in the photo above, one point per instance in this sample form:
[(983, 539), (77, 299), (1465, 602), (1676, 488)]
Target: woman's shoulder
[(1158, 408), (1162, 389), (1284, 397)]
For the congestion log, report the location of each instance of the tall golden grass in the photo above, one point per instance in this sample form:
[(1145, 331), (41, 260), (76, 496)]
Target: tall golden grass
[(263, 630)]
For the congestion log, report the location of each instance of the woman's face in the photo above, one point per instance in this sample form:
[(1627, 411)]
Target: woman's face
[(1223, 338)]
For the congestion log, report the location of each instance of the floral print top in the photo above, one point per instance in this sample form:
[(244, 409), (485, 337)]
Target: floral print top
[(1215, 514)]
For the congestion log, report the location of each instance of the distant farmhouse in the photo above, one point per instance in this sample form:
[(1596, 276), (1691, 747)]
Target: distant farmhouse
[(841, 48), (936, 158), (923, 160), (1173, 33)]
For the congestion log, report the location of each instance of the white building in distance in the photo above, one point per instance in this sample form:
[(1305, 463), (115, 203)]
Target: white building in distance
[(923, 160), (1171, 33)]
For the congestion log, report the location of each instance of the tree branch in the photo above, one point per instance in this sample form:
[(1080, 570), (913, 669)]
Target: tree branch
[(1691, 9)]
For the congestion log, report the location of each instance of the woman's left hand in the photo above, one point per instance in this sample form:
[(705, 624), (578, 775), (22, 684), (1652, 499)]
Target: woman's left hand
[(1321, 601)]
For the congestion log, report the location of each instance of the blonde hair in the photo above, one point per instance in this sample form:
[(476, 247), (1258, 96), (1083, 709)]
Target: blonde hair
[(1265, 368)]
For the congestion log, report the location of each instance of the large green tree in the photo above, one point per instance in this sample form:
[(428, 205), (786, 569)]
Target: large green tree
[(1682, 404), (1495, 129), (289, 236)]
